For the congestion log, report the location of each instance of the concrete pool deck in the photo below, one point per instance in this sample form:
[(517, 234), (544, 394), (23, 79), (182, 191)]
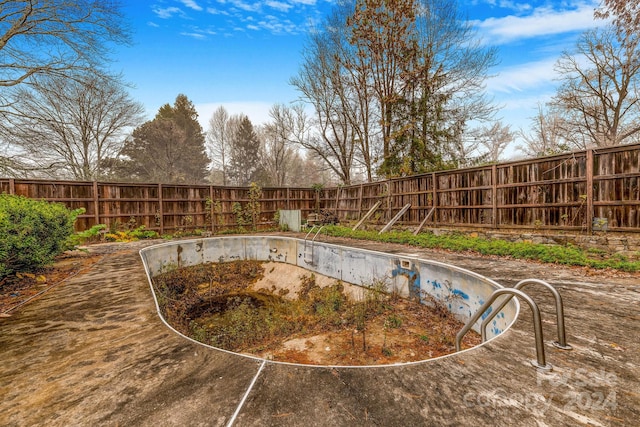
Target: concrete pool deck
[(93, 351)]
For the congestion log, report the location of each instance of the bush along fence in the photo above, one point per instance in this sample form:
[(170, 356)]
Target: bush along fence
[(583, 191)]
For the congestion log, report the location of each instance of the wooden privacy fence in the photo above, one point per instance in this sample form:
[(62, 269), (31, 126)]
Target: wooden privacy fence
[(579, 191), (166, 208)]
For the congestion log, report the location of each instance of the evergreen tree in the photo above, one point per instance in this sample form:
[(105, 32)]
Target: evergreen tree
[(194, 161), (169, 148), (154, 154), (245, 153)]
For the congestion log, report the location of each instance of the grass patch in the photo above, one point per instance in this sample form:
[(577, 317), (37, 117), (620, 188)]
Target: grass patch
[(555, 254)]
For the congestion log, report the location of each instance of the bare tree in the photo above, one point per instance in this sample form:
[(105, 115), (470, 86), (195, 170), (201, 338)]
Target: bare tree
[(442, 91), (383, 38), (330, 133), (394, 84), (495, 139), (463, 152), (357, 103), (546, 135), (308, 170), (12, 164), (599, 98), (218, 139), (56, 37), (68, 127), (279, 155)]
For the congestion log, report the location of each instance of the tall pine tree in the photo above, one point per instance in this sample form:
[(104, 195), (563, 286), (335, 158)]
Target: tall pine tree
[(153, 154), (245, 153), (195, 161), (170, 148)]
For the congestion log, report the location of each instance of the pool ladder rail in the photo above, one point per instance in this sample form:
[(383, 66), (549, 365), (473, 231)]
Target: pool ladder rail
[(308, 253), (540, 362)]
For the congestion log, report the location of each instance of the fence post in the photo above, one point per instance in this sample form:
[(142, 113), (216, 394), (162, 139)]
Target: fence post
[(589, 191), (160, 209), (434, 202), (12, 186), (288, 195), (494, 195), (212, 211), (389, 199), (360, 201), (96, 203)]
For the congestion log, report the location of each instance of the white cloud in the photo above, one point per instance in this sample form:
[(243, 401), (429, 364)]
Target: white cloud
[(278, 26), (215, 11), (516, 6), (542, 22), (198, 36), (528, 104), (519, 89), (278, 5), (167, 12), (247, 7), (523, 77), (191, 4), (273, 16)]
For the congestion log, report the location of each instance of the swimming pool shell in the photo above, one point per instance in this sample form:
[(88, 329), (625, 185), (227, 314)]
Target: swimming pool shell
[(461, 291)]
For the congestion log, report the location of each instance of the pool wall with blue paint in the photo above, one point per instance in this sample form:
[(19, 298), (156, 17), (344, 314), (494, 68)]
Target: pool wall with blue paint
[(461, 291)]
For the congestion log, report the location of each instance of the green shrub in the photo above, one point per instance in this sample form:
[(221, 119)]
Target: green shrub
[(240, 215), (142, 233), (32, 232), (131, 235), (88, 236)]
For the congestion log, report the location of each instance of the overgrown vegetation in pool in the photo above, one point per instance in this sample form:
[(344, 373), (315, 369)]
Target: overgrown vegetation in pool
[(223, 305)]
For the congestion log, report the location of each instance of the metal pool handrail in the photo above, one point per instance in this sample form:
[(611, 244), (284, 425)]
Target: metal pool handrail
[(540, 361), (308, 253), (562, 340)]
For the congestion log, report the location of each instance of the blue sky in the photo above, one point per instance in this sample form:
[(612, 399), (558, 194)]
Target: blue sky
[(241, 53)]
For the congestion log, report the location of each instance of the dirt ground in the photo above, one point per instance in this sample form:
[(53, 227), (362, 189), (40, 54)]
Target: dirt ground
[(18, 289)]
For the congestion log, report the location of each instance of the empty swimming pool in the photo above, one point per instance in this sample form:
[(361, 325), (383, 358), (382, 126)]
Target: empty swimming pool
[(461, 291)]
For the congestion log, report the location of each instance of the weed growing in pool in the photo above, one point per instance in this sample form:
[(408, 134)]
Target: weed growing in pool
[(217, 305), (393, 321)]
